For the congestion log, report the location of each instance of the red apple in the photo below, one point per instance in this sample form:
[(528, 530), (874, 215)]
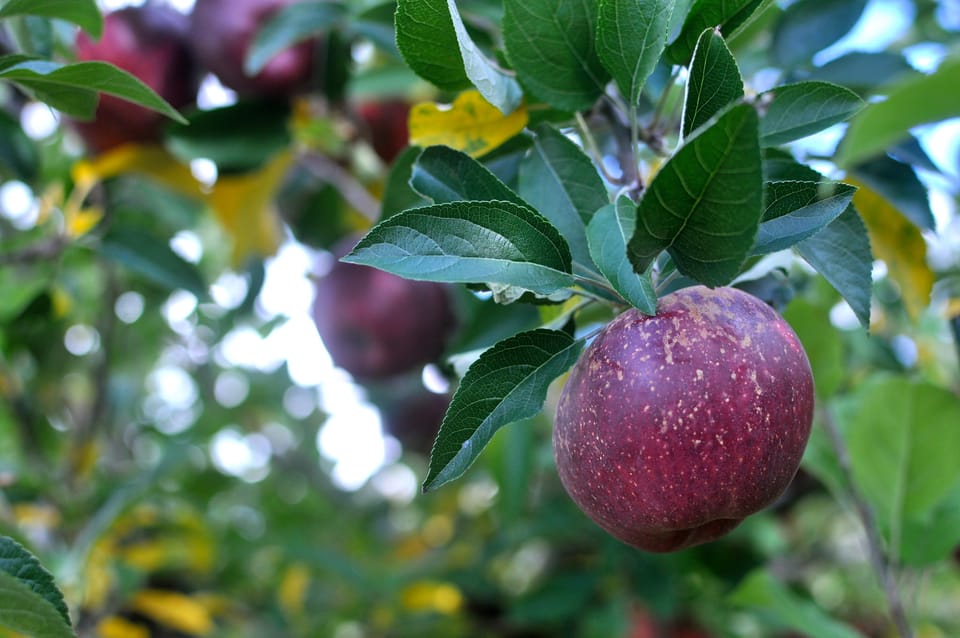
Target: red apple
[(377, 325), (149, 42), (386, 126), (414, 418), (221, 34), (672, 429)]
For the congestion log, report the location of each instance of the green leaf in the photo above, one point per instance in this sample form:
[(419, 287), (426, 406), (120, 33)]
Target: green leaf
[(83, 13), (929, 539), (915, 101), (726, 15), (398, 193), (705, 204), (798, 210), (19, 286), (561, 182), (824, 348), (802, 109), (779, 166), (426, 39), (148, 255), (428, 31), (631, 36), (19, 157), (808, 26), (904, 448), (446, 175), (551, 45), (910, 152), (863, 72), (238, 138), (287, 27), (507, 383), (714, 81), (607, 235), (781, 608), (470, 242), (71, 85), (30, 601), (841, 253), (898, 184)]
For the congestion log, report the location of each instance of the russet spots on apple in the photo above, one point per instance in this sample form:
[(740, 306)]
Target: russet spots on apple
[(672, 429)]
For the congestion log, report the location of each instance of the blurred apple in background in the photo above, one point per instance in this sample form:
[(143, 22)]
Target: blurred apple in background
[(377, 325), (413, 415), (385, 125), (149, 42), (221, 34)]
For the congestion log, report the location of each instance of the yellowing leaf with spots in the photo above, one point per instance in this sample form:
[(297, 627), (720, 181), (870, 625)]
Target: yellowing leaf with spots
[(899, 244), (174, 610), (470, 124), (243, 204)]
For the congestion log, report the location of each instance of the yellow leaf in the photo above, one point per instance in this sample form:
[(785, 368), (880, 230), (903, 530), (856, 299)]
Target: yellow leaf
[(293, 589), (953, 308), (36, 515), (900, 245), (174, 610), (151, 161), (470, 124), (117, 627), (243, 204), (442, 598), (62, 301), (80, 222)]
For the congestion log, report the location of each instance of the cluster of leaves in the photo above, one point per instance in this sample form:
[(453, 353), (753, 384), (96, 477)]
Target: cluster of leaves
[(593, 156), (699, 204)]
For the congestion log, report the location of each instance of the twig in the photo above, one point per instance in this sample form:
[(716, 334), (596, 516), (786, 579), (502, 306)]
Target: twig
[(353, 191), (591, 147), (41, 251), (883, 569), (97, 416), (955, 329)]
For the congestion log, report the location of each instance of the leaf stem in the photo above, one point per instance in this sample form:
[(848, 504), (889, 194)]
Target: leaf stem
[(346, 184), (878, 559), (591, 145), (666, 281), (599, 284)]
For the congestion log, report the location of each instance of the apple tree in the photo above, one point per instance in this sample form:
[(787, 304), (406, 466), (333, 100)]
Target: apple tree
[(645, 316)]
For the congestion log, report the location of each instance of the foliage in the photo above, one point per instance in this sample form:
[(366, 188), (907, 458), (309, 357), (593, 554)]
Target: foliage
[(177, 476)]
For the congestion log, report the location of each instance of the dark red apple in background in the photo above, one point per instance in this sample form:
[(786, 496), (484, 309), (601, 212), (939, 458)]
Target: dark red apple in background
[(149, 42), (376, 325), (672, 429), (386, 126), (221, 34), (413, 416)]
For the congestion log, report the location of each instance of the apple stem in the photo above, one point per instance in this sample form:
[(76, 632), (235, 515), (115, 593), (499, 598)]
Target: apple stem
[(881, 565)]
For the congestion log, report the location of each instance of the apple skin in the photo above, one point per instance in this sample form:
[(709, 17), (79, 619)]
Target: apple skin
[(376, 325), (672, 429), (221, 34), (386, 126), (150, 42)]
